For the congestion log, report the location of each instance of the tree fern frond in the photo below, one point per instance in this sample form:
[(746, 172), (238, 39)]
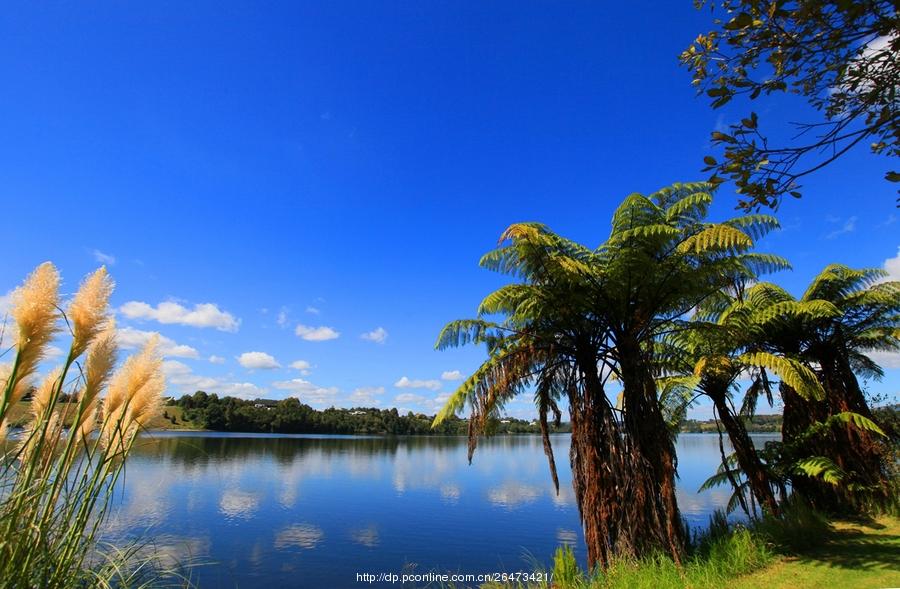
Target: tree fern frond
[(814, 309), (462, 332), (716, 238), (757, 226), (694, 205), (506, 299), (792, 373), (820, 467), (759, 263), (644, 231), (859, 421)]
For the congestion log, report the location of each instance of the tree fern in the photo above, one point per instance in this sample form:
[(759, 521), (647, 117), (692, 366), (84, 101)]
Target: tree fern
[(793, 373)]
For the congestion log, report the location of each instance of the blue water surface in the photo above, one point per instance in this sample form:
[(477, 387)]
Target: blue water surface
[(314, 511)]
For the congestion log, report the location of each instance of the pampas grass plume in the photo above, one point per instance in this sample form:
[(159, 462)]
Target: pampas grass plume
[(88, 311)]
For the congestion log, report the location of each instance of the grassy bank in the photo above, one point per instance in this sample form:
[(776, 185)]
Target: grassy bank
[(806, 552), (171, 417), (856, 554)]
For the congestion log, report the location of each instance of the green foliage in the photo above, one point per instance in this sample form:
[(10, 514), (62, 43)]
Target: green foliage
[(290, 416), (839, 56), (566, 572), (821, 467), (792, 372), (798, 527), (715, 561)]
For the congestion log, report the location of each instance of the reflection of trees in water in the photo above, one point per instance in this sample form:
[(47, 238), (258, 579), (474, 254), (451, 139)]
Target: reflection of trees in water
[(190, 450)]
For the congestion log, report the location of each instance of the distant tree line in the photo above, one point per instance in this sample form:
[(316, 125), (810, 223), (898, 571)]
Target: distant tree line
[(290, 416), (756, 424)]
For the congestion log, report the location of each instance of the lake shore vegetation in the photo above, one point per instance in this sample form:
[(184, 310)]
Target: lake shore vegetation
[(57, 477), (669, 308)]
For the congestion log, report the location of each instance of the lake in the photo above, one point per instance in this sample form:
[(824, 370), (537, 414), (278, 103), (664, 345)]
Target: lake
[(313, 511)]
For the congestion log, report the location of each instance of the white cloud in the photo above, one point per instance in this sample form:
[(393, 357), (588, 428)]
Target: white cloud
[(282, 319), (170, 312), (241, 390), (302, 365), (377, 335), (181, 377), (849, 226), (258, 360), (103, 258), (313, 310), (316, 334), (130, 338), (216, 359), (366, 395), (306, 391), (451, 375), (892, 266), (409, 398), (54, 352), (406, 383), (885, 359)]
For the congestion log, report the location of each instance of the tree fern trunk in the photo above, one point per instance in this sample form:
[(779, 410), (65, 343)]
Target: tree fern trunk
[(652, 460), (747, 457)]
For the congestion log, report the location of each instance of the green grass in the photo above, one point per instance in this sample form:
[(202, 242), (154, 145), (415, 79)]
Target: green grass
[(856, 555), (803, 550), (20, 414)]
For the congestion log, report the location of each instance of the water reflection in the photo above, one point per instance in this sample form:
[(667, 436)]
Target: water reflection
[(267, 507), (236, 503), (367, 536), (513, 494), (306, 536)]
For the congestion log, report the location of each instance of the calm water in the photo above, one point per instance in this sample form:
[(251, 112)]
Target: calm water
[(312, 511)]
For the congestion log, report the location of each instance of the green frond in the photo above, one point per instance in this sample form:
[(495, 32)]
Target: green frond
[(759, 385), (820, 467), (814, 309), (507, 299), (885, 294), (635, 210), (573, 265), (716, 480), (462, 332), (713, 365), (500, 377), (763, 294), (859, 421), (675, 397), (865, 366), (694, 205), (757, 226), (735, 500), (523, 231), (716, 238), (645, 231), (759, 264), (792, 373), (504, 260), (837, 281)]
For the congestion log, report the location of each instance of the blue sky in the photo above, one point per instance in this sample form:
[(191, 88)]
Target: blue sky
[(282, 179)]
